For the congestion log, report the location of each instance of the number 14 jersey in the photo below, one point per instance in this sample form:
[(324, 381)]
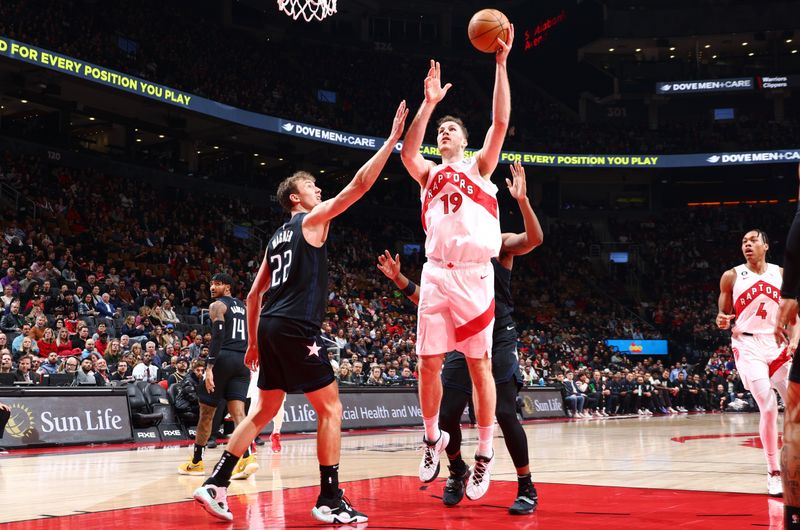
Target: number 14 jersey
[(459, 214), (756, 298), (298, 271)]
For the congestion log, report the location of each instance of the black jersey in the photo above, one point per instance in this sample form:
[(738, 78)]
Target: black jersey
[(298, 286), (503, 303), (235, 325)]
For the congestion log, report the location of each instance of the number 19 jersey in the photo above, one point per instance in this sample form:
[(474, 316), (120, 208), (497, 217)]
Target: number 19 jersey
[(756, 298), (298, 271), (459, 214)]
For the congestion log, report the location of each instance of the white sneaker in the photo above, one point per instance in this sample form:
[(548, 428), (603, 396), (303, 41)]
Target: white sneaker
[(640, 412), (478, 483), (604, 412), (774, 484), (215, 501), (648, 412), (672, 411), (429, 466)]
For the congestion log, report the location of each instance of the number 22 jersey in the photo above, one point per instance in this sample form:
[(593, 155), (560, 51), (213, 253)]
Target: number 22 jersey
[(298, 271)]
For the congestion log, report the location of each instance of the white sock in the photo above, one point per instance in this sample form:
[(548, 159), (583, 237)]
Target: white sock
[(485, 435), (432, 431)]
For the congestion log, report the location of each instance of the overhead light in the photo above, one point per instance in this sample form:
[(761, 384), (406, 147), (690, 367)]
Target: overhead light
[(707, 46), (216, 147), (745, 43), (263, 163), (255, 154), (672, 48), (788, 41), (91, 118), (322, 171), (671, 56), (138, 139), (750, 54), (713, 56), (385, 178), (23, 101), (161, 136), (136, 130), (198, 152), (611, 49), (638, 50), (794, 51), (281, 159)]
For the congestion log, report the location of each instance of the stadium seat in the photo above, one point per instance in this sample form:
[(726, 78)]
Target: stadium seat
[(142, 414)]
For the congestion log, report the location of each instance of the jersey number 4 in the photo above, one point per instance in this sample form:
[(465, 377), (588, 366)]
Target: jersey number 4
[(761, 312), (280, 272)]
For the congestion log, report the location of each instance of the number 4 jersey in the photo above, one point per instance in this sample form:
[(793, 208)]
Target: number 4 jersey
[(298, 271), (459, 214), (756, 298)]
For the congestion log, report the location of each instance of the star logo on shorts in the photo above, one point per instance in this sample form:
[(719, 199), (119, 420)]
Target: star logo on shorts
[(313, 349)]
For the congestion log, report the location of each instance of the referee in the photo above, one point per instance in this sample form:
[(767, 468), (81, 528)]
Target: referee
[(787, 318)]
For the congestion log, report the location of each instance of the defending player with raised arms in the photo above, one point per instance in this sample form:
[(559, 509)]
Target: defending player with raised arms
[(285, 334), (460, 219)]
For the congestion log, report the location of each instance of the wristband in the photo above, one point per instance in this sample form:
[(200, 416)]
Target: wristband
[(409, 289)]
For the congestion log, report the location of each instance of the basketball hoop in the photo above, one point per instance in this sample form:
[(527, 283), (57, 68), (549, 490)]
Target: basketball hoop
[(308, 9)]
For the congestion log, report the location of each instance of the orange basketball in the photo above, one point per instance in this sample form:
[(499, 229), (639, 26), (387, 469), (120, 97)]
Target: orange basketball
[(485, 27)]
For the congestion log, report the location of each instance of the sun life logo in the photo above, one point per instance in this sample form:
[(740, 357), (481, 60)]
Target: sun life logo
[(20, 423)]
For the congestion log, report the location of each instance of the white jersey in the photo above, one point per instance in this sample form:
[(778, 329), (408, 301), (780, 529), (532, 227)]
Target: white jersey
[(459, 214), (756, 298)]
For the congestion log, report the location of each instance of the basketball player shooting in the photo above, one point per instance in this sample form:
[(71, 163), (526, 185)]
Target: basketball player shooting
[(284, 335), (456, 306), (752, 290)]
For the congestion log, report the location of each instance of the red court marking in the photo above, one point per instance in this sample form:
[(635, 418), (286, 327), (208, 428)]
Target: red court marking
[(753, 441), (402, 503)]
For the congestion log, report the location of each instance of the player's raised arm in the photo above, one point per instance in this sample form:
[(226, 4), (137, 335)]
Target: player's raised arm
[(253, 303), (390, 266), (725, 302), (519, 244), (489, 155), (364, 178), (416, 165)]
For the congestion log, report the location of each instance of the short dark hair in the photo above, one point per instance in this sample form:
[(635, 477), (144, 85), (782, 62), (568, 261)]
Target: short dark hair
[(455, 120), (761, 233), (289, 186)]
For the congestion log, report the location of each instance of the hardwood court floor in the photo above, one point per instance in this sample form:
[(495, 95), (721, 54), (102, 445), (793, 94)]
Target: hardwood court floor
[(695, 471)]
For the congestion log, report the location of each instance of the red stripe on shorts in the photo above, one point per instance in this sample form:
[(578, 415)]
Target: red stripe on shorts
[(475, 325), (779, 361)]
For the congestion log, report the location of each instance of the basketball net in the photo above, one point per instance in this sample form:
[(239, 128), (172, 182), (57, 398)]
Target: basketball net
[(308, 9)]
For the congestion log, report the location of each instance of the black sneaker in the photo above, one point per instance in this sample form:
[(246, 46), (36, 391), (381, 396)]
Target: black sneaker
[(337, 510), (454, 489), (211, 443), (526, 501), (259, 441)]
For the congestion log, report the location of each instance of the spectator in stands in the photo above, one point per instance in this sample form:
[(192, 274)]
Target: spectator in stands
[(697, 392), (24, 348), (181, 371), (105, 309), (89, 349), (186, 400), (6, 362), (131, 329), (85, 375), (51, 365), (79, 340), (146, 370), (23, 373), (121, 373), (643, 397), (573, 399), (101, 375), (63, 343), (597, 394), (70, 365), (7, 298), (719, 399), (196, 346), (86, 307), (12, 321), (47, 343), (113, 352), (37, 331), (170, 338), (358, 376), (392, 377), (345, 376), (683, 399), (408, 378), (375, 376), (25, 284), (10, 279)]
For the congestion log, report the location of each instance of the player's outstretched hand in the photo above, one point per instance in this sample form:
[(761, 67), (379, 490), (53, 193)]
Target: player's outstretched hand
[(434, 92), (388, 265), (724, 321), (517, 187), (399, 122), (787, 315), (5, 407), (251, 357), (505, 47)]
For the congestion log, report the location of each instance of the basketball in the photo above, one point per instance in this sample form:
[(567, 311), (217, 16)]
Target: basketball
[(485, 27)]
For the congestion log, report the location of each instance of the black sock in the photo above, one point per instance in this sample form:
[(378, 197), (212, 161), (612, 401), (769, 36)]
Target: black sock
[(221, 476), (329, 481), (523, 481), (791, 517), (457, 465), (198, 453)]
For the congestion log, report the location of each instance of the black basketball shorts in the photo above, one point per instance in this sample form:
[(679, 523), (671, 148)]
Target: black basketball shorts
[(231, 379), (505, 364), (292, 356)]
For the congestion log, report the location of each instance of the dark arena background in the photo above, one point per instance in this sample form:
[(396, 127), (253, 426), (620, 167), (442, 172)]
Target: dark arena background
[(141, 147)]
